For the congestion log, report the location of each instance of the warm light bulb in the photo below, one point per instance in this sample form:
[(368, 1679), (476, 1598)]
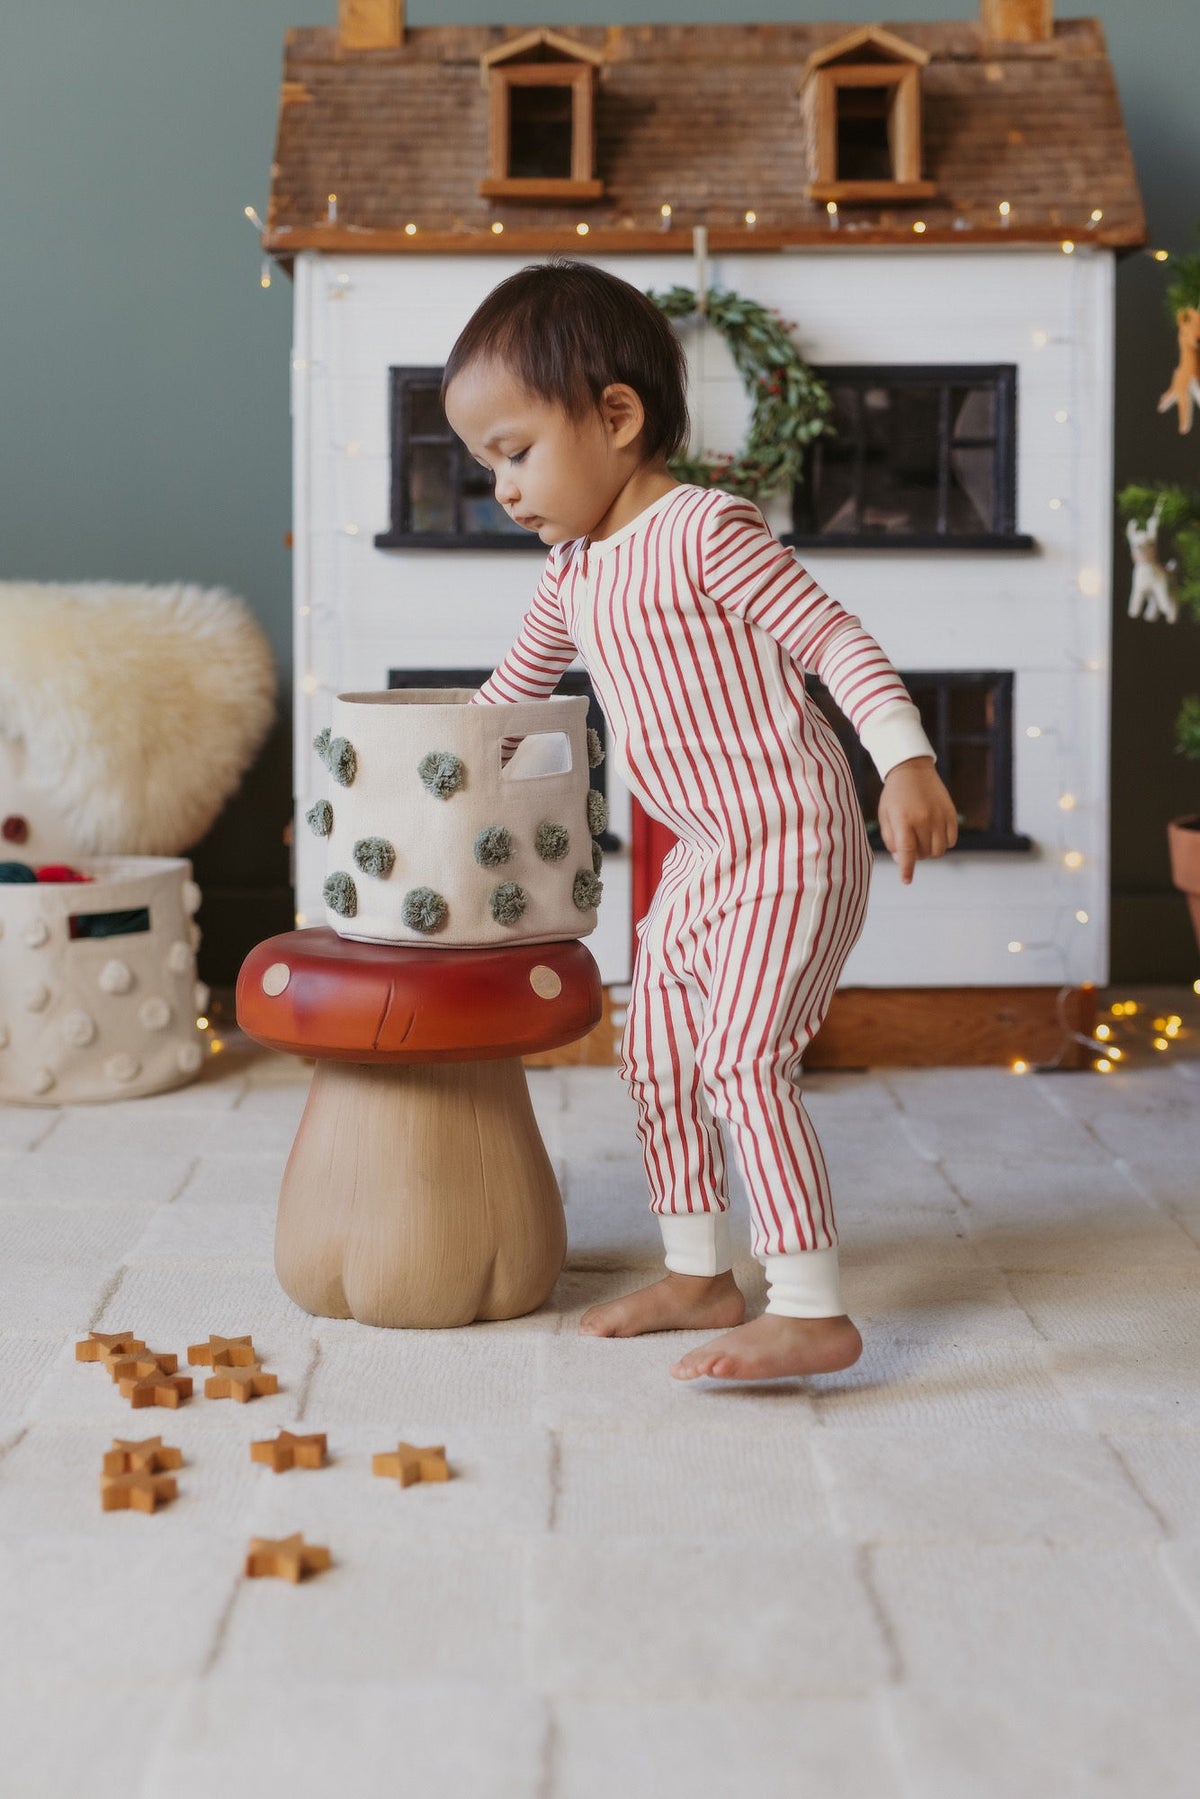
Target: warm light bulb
[(1040, 339), (1068, 248), (215, 1045), (497, 229), (1196, 988), (919, 226), (1103, 1066), (1067, 802), (1073, 859), (1097, 214), (1116, 1054), (1004, 209), (301, 920), (1161, 255), (752, 218), (581, 230), (1081, 918), (1014, 949), (1104, 1032), (309, 684), (202, 1024), (1131, 1008), (1033, 730), (1055, 505), (1161, 1043), (664, 210), (831, 208), (1020, 1067), (1061, 417), (410, 229)]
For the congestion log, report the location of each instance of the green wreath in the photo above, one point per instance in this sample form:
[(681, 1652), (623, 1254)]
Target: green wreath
[(791, 402)]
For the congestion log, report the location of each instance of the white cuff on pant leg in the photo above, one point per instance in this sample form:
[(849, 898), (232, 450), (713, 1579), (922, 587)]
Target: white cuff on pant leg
[(804, 1285), (696, 1242)]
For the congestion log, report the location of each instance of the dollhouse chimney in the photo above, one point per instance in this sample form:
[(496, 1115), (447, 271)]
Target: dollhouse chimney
[(1017, 21), (370, 24)]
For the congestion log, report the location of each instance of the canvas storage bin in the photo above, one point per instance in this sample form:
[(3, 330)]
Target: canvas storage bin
[(440, 832), (92, 1017)]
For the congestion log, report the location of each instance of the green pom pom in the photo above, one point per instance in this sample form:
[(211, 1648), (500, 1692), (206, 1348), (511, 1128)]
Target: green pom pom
[(597, 858), (442, 773), (493, 847), (597, 812), (375, 856), (341, 895), (320, 818), (508, 902), (343, 763), (552, 842), (587, 890), (595, 749), (321, 745), (424, 910)]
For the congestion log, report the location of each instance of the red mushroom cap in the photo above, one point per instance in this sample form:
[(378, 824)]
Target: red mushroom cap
[(313, 993)]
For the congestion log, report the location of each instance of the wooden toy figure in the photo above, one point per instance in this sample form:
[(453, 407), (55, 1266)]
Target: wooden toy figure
[(1151, 589), (1184, 389)]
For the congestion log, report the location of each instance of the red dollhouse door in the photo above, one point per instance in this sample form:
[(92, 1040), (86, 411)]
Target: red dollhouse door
[(649, 844)]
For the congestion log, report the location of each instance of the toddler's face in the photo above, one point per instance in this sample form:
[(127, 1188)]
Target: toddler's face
[(555, 475)]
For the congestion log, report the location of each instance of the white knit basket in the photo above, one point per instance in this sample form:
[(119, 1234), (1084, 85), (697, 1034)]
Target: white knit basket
[(96, 1018), (472, 864)]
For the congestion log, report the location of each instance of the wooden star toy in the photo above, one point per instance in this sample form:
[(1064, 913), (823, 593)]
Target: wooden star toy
[(241, 1383), (96, 1347), (157, 1389), (150, 1455), (139, 1363), (136, 1492), (287, 1558), (224, 1352), (288, 1451), (408, 1464)]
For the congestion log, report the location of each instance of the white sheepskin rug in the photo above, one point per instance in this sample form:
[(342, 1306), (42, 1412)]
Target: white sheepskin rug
[(136, 711)]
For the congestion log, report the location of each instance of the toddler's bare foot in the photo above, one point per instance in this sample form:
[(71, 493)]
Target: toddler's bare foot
[(773, 1346), (678, 1302)]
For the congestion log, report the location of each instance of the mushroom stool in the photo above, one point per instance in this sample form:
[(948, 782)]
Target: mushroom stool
[(418, 1192)]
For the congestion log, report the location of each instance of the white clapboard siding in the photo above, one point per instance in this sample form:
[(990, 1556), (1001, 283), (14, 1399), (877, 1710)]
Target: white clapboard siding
[(1044, 614)]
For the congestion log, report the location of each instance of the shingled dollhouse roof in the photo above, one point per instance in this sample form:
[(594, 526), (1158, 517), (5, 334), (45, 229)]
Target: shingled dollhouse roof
[(705, 119)]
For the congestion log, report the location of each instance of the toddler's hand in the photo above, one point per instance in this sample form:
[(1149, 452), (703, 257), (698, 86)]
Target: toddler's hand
[(916, 814)]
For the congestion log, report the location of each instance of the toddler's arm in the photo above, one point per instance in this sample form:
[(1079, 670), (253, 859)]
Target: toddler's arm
[(543, 651), (916, 814)]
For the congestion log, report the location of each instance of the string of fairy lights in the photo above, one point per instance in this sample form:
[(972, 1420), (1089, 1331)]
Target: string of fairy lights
[(1103, 1044)]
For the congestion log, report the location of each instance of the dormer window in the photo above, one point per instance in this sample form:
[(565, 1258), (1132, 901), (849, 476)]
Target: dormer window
[(862, 97), (541, 119)]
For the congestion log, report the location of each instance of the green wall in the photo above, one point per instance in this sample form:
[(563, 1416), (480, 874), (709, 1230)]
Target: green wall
[(144, 429)]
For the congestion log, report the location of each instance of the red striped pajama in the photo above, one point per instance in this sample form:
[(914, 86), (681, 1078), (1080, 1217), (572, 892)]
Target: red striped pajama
[(696, 625)]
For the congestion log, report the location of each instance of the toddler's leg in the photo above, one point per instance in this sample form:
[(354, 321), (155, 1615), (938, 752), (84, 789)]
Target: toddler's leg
[(685, 1168)]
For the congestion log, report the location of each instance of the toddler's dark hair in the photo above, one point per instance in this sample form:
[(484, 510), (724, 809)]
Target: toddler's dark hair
[(567, 330)]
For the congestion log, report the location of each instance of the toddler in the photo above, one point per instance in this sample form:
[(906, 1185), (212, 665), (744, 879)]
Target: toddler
[(696, 625)]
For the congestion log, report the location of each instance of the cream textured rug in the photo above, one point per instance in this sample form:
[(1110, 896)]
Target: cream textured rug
[(135, 711)]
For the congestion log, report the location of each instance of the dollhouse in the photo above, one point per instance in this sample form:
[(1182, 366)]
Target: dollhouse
[(936, 211)]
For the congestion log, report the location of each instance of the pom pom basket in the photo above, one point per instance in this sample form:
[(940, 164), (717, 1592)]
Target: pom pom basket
[(435, 822), (98, 992)]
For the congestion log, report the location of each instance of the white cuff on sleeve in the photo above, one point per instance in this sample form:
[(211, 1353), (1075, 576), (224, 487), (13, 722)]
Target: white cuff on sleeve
[(894, 735), (696, 1242), (804, 1285)]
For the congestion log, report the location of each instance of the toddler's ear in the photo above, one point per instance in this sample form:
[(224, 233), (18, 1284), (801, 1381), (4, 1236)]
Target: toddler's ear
[(623, 413)]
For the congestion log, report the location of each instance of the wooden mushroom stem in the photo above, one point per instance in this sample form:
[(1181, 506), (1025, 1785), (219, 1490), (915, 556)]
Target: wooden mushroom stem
[(419, 1196)]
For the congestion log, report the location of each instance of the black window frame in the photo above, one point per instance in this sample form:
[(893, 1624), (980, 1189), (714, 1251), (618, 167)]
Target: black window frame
[(1002, 378), (999, 834), (402, 381)]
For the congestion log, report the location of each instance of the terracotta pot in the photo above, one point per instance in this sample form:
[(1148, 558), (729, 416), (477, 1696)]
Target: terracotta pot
[(1183, 842)]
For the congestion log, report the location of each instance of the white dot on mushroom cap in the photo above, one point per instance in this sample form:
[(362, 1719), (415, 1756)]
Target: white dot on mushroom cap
[(41, 1080), (79, 1028), (121, 1067), (179, 958), (116, 977), (37, 998), (276, 978), (154, 1014), (190, 1057), (37, 933), (545, 983), (191, 896)]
